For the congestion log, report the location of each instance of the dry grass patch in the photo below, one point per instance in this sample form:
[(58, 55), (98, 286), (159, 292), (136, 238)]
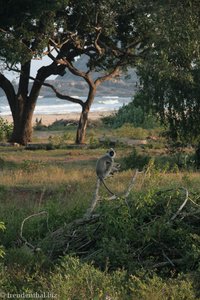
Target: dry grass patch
[(46, 175)]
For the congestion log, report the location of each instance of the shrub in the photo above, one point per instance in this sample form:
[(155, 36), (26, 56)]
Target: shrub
[(145, 232), (127, 130), (76, 280), (134, 114), (135, 160), (2, 253), (5, 130), (171, 162), (94, 284)]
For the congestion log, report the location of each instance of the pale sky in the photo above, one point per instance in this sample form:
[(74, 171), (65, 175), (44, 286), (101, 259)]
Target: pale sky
[(35, 65)]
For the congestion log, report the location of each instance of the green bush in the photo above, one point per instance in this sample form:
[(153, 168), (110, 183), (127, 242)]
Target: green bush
[(5, 130), (94, 284), (134, 114), (171, 162), (135, 160), (127, 130), (72, 279), (2, 253), (144, 234)]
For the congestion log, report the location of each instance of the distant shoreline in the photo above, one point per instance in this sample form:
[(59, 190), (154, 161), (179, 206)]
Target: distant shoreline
[(48, 119)]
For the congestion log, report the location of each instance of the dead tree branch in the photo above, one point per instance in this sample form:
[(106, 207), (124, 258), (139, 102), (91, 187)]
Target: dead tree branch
[(95, 199), (96, 196), (22, 227), (182, 205)]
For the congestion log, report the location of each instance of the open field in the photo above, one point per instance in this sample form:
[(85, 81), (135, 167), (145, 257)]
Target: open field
[(61, 182)]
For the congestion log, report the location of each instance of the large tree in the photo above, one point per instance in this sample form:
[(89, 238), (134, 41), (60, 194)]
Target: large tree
[(112, 34), (25, 29), (170, 73)]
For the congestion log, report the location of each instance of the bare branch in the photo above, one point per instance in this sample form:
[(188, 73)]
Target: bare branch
[(75, 71), (58, 94), (182, 205), (167, 258), (98, 48), (22, 227), (131, 183), (115, 72), (165, 263), (64, 97), (12, 69), (94, 200), (96, 196), (128, 190), (4, 31)]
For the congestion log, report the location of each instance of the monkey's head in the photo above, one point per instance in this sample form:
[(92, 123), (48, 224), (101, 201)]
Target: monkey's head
[(111, 153)]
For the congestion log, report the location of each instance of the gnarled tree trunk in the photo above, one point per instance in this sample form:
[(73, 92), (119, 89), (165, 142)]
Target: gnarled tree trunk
[(23, 103), (82, 125), (22, 121), (83, 120)]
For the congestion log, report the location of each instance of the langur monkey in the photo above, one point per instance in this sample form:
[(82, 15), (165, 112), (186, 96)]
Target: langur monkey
[(104, 166)]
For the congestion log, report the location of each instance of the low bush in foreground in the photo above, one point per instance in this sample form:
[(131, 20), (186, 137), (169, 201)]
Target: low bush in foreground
[(5, 130), (72, 279)]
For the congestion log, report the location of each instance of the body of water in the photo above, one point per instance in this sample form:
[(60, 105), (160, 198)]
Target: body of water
[(57, 106)]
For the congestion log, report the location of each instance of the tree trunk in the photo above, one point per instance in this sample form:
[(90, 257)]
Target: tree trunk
[(82, 125), (22, 130), (23, 105), (83, 121), (23, 109)]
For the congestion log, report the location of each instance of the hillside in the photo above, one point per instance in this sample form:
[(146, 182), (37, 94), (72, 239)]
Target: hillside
[(124, 86)]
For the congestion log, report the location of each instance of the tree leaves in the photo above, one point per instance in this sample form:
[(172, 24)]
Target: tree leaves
[(169, 73)]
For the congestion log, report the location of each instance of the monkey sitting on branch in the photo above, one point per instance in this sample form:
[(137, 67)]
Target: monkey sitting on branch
[(105, 166)]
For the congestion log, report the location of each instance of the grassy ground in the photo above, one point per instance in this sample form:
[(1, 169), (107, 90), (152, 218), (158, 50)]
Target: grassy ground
[(61, 182)]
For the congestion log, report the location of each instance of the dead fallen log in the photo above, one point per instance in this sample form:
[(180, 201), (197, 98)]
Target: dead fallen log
[(41, 146), (125, 141)]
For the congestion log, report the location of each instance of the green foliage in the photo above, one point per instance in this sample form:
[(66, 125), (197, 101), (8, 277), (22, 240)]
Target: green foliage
[(59, 140), (26, 28), (133, 113), (2, 227), (170, 162), (135, 160), (91, 282), (144, 233), (170, 71), (155, 288), (72, 279), (127, 130), (5, 130), (140, 247), (30, 166)]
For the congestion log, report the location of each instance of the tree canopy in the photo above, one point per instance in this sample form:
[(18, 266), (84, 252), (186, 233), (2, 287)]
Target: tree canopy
[(171, 71), (25, 28), (111, 34), (160, 37)]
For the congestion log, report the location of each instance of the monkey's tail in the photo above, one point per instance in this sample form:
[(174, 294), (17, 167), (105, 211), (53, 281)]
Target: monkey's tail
[(107, 187)]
